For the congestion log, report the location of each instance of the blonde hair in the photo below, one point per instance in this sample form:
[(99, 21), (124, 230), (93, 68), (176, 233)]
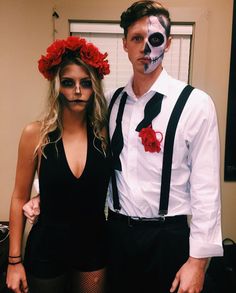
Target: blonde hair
[(97, 110)]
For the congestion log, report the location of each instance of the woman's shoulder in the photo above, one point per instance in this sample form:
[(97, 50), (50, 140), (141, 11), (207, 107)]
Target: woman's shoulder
[(31, 133), (29, 140), (32, 129)]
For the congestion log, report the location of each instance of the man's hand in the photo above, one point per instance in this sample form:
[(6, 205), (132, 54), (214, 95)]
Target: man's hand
[(190, 277), (32, 209)]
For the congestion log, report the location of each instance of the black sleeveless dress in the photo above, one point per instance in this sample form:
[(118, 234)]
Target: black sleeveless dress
[(71, 229)]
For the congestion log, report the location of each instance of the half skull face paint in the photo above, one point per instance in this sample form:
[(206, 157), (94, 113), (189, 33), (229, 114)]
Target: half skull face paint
[(155, 45)]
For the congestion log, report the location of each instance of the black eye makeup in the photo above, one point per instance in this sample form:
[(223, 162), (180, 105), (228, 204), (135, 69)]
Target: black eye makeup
[(70, 83), (86, 83), (156, 39), (67, 83)]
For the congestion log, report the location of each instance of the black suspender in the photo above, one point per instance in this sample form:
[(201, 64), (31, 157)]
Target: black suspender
[(113, 99), (168, 150), (116, 203)]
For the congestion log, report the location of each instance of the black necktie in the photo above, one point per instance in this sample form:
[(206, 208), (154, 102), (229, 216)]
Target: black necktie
[(117, 141), (152, 109)]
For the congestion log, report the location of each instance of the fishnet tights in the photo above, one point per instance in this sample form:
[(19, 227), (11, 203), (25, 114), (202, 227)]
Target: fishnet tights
[(75, 282), (88, 282)]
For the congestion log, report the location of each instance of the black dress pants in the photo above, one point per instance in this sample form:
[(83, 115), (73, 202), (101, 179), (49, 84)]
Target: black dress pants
[(145, 256)]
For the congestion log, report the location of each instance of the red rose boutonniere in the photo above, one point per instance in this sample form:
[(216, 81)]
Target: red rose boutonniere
[(151, 139)]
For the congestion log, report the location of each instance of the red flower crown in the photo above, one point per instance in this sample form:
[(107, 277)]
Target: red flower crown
[(72, 47)]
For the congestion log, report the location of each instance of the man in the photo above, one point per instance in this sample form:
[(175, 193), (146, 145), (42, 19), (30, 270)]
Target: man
[(165, 169)]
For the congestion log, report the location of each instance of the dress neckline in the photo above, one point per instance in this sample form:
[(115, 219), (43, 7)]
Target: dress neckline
[(87, 157)]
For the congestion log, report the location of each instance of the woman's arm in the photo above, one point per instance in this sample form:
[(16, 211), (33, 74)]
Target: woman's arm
[(25, 172)]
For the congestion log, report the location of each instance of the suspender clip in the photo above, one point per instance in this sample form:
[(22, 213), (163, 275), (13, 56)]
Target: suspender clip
[(163, 213)]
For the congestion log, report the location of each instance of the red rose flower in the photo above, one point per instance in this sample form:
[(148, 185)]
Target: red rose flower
[(149, 139), (55, 52), (105, 68), (90, 55), (44, 65), (74, 43)]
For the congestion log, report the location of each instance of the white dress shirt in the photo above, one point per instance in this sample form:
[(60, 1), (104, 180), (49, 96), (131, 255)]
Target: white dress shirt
[(195, 182)]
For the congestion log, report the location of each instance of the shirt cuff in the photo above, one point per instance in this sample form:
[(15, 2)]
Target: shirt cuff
[(36, 185), (203, 249)]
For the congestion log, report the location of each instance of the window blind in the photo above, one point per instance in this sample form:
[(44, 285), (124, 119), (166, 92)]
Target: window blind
[(108, 38)]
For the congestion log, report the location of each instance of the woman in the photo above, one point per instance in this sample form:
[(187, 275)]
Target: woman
[(65, 250)]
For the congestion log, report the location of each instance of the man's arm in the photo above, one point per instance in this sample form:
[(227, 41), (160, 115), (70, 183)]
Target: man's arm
[(205, 224)]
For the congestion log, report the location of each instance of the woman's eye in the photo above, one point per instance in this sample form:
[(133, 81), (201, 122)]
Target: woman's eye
[(86, 84), (70, 83), (67, 83)]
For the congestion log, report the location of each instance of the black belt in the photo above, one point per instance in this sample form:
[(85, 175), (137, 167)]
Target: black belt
[(141, 220)]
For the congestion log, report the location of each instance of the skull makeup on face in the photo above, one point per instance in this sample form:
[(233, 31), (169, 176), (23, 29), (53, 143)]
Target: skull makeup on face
[(156, 43)]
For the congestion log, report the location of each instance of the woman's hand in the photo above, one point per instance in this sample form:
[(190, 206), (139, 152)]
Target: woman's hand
[(16, 278)]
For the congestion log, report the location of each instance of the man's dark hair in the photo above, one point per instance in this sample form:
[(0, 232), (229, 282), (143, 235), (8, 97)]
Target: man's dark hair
[(143, 8)]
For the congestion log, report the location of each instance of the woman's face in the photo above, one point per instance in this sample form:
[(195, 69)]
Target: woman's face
[(75, 86)]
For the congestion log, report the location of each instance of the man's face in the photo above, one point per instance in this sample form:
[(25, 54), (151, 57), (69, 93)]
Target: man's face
[(146, 43), (155, 44)]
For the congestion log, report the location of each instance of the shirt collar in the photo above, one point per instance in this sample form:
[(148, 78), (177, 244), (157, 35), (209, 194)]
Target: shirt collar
[(129, 89), (160, 85)]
